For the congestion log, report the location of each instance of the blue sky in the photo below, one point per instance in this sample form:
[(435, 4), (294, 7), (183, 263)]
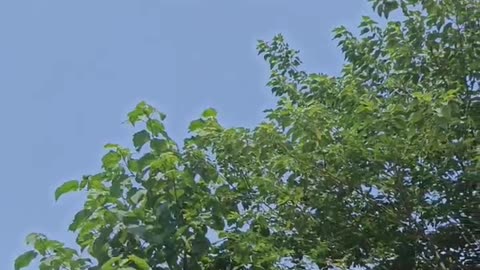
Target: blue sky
[(71, 70)]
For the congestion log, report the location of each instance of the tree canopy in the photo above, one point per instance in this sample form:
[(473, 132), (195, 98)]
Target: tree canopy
[(375, 168)]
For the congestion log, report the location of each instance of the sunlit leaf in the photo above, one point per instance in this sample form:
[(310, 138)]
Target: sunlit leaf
[(209, 113), (67, 187), (139, 262), (111, 160), (155, 127), (25, 259)]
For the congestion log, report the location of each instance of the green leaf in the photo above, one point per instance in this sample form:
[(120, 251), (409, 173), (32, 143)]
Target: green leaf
[(53, 245), (133, 165), (111, 160), (145, 161), (100, 246), (200, 245), (141, 263), (48, 264), (141, 111), (110, 264), (196, 125), (140, 138), (25, 259), (177, 193), (217, 222), (155, 127), (137, 230), (84, 182), (138, 196), (389, 6), (162, 116), (116, 190), (209, 113), (134, 117), (159, 145), (67, 187), (112, 146), (33, 237), (79, 219)]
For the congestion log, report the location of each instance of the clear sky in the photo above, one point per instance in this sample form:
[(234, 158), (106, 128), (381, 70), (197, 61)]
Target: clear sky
[(71, 70)]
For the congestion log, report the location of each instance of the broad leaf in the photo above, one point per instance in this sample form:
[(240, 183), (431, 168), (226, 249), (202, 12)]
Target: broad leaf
[(65, 188), (140, 138), (209, 113), (111, 160), (139, 262), (25, 259)]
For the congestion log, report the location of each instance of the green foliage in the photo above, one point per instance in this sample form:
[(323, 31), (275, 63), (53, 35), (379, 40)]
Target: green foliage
[(140, 138), (376, 168), (66, 187), (25, 259)]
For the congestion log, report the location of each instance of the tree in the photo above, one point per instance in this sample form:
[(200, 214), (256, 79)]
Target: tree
[(376, 168)]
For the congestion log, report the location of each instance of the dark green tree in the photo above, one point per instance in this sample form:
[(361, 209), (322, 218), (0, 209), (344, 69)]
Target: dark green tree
[(376, 168)]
